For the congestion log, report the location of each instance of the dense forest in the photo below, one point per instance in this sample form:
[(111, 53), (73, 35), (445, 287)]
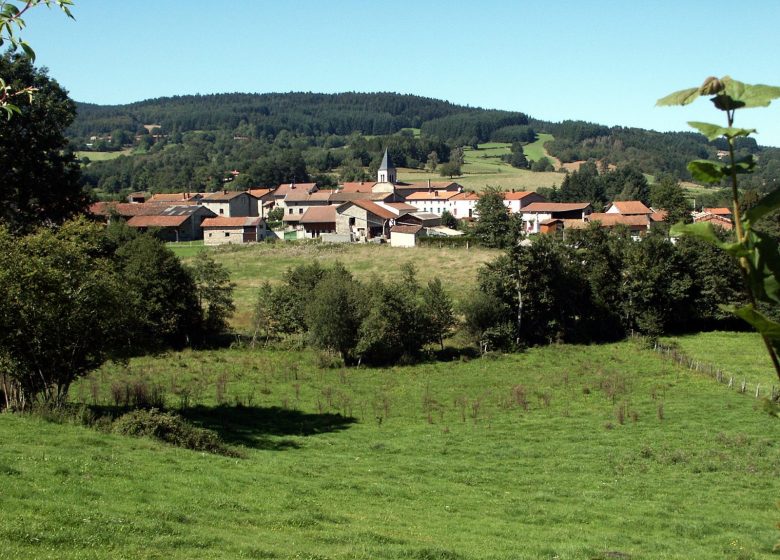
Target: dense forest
[(194, 141)]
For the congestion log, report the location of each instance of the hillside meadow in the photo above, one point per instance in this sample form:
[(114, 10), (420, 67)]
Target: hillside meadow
[(562, 452), (483, 167), (251, 265)]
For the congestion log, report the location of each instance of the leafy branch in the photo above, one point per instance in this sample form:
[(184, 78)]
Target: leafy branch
[(757, 253), (11, 24)]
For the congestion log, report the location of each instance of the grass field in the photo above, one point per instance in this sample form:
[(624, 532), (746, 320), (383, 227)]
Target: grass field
[(563, 452), (104, 156), (739, 354), (535, 150), (252, 265), (483, 167)]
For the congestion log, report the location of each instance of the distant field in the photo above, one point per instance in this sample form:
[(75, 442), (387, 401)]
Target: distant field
[(104, 156), (483, 167), (252, 265), (535, 151), (565, 452)]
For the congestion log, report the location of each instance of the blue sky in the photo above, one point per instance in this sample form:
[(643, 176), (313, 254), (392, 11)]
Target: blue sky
[(602, 61)]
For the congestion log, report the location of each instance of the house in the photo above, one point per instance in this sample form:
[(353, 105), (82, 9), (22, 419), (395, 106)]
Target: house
[(175, 198), (714, 219), (363, 220), (638, 224), (464, 205), (551, 226), (723, 212), (629, 208), (286, 188), (228, 203), (515, 201), (538, 212), (137, 197), (317, 220), (262, 201), (107, 211), (221, 230), (175, 223), (405, 235), (435, 202), (298, 201), (405, 189)]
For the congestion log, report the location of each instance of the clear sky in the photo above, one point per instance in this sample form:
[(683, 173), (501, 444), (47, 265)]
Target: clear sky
[(604, 61)]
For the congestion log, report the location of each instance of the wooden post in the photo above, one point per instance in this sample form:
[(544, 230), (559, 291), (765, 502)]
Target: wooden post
[(758, 386)]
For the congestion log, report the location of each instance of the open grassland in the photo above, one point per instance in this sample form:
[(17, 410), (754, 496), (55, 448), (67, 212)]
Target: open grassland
[(252, 265), (483, 167), (104, 156), (739, 354), (535, 150), (562, 452)]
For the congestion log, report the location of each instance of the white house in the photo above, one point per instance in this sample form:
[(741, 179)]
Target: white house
[(537, 212)]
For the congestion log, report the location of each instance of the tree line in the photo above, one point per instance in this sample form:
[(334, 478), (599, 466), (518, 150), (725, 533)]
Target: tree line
[(598, 285)]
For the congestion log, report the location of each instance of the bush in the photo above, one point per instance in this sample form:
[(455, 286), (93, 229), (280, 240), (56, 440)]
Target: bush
[(172, 429)]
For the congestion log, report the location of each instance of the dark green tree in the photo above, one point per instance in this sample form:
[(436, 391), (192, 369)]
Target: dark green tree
[(493, 223), (39, 180), (64, 312), (214, 291), (667, 194), (437, 314)]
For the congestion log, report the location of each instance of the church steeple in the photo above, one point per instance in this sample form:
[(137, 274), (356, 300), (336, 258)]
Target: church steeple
[(386, 171)]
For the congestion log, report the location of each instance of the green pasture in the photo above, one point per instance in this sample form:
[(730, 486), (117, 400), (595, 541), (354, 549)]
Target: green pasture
[(564, 452), (104, 156), (535, 150), (483, 167), (251, 265), (740, 355)]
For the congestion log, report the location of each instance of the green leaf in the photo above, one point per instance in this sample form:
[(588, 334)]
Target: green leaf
[(742, 165), (764, 258), (767, 327), (713, 131), (766, 205), (707, 171), (28, 50), (706, 232), (726, 103), (758, 95), (682, 97)]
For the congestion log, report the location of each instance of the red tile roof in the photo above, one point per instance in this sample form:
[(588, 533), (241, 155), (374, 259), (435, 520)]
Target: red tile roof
[(286, 188), (362, 186), (319, 215), (259, 193), (556, 206), (405, 229), (171, 197), (157, 221), (629, 207), (520, 195), (231, 222), (222, 196), (125, 209), (609, 220), (719, 211), (434, 195), (659, 216), (374, 208), (465, 196)]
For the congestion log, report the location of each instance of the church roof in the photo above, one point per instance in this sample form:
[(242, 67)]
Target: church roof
[(386, 162)]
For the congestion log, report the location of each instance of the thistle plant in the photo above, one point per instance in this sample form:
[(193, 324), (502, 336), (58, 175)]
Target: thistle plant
[(756, 253)]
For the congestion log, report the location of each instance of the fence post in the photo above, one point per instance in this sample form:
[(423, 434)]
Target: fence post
[(744, 386), (731, 381), (758, 386)]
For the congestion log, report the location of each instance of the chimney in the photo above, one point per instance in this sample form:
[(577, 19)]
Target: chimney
[(224, 191), (429, 184), (435, 193)]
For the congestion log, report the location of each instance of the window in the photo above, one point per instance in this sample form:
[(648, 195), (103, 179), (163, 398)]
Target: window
[(221, 210), (227, 234), (300, 210), (352, 221), (290, 211)]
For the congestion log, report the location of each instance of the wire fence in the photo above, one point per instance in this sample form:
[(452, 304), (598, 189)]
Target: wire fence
[(756, 390)]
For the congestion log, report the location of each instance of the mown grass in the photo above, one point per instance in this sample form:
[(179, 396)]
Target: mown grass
[(739, 354), (104, 156), (535, 150), (524, 456), (251, 265)]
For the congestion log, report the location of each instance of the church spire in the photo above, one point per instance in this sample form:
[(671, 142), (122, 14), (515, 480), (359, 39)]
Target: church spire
[(386, 171)]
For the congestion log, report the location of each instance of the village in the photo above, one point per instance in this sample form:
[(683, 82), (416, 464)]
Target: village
[(387, 210)]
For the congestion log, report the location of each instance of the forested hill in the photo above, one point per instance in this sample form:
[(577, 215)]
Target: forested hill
[(309, 114)]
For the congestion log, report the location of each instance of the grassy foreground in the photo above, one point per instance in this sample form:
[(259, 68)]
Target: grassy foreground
[(562, 452)]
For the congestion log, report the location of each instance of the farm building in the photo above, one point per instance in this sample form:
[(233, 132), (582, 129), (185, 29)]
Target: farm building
[(238, 230), (174, 223), (229, 203)]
